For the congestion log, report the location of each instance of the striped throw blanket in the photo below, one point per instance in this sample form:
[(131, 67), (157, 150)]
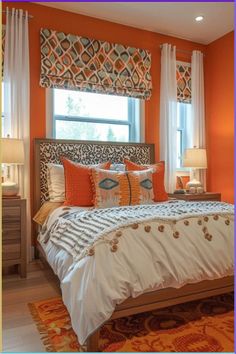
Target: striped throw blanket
[(79, 232)]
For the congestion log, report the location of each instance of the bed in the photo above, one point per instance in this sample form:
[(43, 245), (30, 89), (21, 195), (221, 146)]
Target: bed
[(132, 295)]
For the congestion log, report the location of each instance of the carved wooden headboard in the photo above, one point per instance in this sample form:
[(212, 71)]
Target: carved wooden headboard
[(86, 152)]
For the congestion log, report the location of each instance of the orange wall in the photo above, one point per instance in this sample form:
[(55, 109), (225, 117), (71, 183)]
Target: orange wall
[(219, 84), (99, 29)]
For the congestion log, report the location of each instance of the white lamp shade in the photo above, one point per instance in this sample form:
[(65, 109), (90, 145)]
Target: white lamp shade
[(195, 158), (12, 151)]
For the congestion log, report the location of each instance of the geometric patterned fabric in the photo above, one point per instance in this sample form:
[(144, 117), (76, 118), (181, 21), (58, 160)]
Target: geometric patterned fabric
[(89, 154), (109, 183), (79, 63), (117, 188), (3, 46), (183, 77), (55, 71)]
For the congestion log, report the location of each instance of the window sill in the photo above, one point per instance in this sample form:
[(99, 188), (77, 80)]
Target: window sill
[(182, 171)]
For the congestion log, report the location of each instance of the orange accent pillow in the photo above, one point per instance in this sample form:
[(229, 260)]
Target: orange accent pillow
[(78, 185), (160, 194)]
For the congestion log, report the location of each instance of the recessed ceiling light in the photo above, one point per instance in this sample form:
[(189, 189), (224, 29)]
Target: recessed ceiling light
[(199, 18)]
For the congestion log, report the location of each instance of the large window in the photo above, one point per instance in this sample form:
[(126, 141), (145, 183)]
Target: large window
[(92, 116), (183, 130)]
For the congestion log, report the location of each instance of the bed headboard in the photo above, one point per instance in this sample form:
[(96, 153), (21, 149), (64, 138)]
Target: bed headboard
[(86, 152)]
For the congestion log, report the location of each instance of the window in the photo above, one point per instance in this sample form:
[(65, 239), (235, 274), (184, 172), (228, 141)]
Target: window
[(91, 116), (183, 130), (184, 119)]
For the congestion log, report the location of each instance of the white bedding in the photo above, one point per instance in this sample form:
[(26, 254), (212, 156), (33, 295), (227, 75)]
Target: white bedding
[(93, 287)]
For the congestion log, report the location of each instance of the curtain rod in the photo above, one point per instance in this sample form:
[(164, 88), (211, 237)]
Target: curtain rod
[(182, 50), (29, 16)]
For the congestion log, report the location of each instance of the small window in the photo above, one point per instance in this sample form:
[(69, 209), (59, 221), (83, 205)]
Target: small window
[(184, 107), (91, 116), (183, 130)]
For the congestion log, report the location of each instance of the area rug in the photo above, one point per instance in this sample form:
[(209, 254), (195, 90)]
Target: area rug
[(199, 326)]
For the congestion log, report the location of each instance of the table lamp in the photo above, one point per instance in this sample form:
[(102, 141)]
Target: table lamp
[(12, 151), (195, 159)]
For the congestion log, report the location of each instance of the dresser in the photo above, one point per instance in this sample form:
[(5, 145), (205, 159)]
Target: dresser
[(14, 241)]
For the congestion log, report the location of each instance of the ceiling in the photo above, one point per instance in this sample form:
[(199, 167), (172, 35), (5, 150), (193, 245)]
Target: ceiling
[(170, 18)]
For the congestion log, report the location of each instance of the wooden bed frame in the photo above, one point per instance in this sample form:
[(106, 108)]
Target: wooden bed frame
[(148, 301)]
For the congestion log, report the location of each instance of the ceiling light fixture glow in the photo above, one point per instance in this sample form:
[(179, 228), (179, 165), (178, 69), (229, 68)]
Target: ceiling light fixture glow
[(199, 18)]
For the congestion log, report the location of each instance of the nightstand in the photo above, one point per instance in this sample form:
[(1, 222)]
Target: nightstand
[(14, 242), (207, 196)]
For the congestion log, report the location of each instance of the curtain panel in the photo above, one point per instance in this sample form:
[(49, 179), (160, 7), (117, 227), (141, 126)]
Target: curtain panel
[(183, 77), (168, 114), (198, 107), (80, 63), (17, 99)]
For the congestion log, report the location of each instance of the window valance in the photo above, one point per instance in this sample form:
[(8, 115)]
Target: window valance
[(183, 77), (74, 62)]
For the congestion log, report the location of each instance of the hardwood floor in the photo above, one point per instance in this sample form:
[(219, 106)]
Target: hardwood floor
[(19, 330)]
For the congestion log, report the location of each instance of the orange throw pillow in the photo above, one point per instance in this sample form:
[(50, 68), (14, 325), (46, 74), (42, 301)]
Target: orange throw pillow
[(78, 185), (160, 194)]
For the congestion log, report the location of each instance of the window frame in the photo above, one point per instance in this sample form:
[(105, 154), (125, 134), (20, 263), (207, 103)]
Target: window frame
[(182, 127), (136, 118)]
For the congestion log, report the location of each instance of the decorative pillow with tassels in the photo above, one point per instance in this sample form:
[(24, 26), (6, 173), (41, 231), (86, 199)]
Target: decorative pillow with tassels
[(78, 186), (160, 194), (116, 188)]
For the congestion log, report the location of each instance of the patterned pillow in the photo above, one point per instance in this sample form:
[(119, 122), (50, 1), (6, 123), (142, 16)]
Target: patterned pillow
[(160, 194), (116, 188)]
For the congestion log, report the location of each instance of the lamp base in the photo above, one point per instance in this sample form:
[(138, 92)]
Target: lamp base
[(9, 189), (193, 183)]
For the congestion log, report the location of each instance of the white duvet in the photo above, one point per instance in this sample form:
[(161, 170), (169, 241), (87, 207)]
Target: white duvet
[(93, 287)]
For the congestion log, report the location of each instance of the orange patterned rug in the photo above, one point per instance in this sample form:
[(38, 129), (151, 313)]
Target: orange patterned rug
[(199, 326)]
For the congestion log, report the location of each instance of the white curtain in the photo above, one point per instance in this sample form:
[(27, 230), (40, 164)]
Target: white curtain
[(198, 107), (16, 95), (168, 115)]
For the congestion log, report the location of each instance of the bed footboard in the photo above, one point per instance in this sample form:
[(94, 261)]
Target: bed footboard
[(164, 298), (92, 342)]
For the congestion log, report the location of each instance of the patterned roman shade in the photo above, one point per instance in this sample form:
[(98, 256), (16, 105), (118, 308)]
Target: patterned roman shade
[(183, 76), (3, 45), (80, 63)]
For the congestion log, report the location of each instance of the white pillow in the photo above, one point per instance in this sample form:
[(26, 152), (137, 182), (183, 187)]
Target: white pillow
[(56, 182)]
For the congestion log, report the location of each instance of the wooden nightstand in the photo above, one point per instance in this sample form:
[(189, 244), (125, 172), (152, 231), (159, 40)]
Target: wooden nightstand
[(208, 196), (14, 243)]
